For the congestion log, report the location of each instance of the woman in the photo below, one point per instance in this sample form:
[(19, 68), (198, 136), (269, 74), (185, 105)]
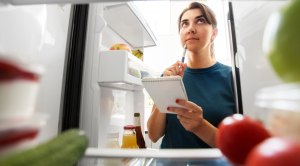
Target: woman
[(208, 85)]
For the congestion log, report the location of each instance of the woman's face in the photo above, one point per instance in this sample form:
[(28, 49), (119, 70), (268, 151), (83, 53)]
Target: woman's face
[(195, 31)]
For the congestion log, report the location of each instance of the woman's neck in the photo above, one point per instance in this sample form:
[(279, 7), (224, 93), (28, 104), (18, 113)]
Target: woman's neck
[(200, 59)]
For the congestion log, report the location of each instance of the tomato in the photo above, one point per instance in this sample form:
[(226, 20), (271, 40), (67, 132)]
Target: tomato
[(275, 151), (237, 135)]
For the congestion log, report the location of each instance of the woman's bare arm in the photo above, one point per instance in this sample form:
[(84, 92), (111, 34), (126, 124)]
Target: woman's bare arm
[(156, 124)]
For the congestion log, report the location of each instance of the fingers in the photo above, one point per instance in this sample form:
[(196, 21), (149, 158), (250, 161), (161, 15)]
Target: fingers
[(191, 124), (171, 71), (191, 117), (183, 119), (189, 109), (175, 69)]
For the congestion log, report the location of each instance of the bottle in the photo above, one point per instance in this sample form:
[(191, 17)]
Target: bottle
[(129, 137), (138, 129)]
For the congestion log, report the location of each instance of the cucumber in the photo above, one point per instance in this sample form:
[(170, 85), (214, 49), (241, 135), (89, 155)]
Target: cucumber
[(64, 150)]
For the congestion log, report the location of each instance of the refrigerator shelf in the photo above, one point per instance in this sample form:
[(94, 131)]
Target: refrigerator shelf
[(212, 153), (133, 28), (122, 70), (105, 156)]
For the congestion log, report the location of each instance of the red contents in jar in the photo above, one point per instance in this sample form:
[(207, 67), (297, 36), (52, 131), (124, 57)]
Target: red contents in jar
[(138, 130), (139, 137), (13, 136), (10, 72)]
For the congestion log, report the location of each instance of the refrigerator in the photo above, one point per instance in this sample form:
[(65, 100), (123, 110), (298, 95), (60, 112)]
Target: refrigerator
[(248, 23), (87, 86)]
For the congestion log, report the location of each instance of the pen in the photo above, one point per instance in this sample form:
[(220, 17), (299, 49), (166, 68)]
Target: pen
[(183, 55)]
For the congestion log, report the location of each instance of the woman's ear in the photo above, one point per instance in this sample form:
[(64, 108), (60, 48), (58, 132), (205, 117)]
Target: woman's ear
[(214, 34)]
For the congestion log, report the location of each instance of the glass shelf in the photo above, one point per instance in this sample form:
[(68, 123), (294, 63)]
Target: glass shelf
[(168, 157), (133, 28)]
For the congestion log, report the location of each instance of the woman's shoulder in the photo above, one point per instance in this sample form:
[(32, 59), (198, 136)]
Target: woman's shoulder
[(222, 66)]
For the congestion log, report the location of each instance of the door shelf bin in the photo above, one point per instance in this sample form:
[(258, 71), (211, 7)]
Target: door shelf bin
[(119, 67)]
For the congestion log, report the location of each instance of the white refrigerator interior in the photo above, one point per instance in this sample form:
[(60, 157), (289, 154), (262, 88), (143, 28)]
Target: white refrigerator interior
[(112, 89), (111, 82), (251, 18), (38, 34)]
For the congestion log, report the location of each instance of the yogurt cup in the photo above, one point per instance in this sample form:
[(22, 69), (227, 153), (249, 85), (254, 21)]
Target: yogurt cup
[(19, 84), (279, 107), (17, 135)]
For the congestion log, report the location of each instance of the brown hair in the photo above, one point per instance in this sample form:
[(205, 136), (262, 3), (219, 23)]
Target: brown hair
[(208, 14)]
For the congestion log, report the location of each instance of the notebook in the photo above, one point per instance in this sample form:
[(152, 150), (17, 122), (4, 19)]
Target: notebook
[(164, 91)]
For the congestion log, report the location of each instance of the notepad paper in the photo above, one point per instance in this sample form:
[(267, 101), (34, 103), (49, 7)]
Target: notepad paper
[(164, 91)]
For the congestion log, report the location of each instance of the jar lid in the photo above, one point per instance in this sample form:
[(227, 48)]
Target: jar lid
[(136, 114), (129, 127), (22, 64), (283, 97)]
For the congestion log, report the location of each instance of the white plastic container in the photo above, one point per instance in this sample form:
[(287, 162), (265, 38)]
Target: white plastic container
[(119, 66), (279, 108), (17, 135), (19, 83), (120, 69)]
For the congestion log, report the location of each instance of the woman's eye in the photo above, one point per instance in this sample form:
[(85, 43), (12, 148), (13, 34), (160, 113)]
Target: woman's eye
[(184, 24), (201, 20)]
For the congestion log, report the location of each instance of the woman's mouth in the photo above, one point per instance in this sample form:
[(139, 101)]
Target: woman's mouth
[(192, 38)]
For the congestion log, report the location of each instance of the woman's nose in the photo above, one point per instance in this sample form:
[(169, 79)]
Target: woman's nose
[(192, 29)]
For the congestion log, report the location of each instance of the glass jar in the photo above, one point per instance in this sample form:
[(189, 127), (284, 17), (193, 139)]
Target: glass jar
[(279, 109), (113, 140), (129, 137)]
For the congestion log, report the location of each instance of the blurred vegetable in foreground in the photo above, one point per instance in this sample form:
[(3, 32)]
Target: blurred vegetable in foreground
[(64, 150), (281, 42)]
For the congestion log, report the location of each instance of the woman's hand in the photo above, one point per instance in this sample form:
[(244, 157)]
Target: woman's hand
[(191, 117), (176, 69)]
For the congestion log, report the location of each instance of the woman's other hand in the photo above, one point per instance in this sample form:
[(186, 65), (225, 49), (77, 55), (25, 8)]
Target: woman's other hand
[(191, 117), (176, 69)]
